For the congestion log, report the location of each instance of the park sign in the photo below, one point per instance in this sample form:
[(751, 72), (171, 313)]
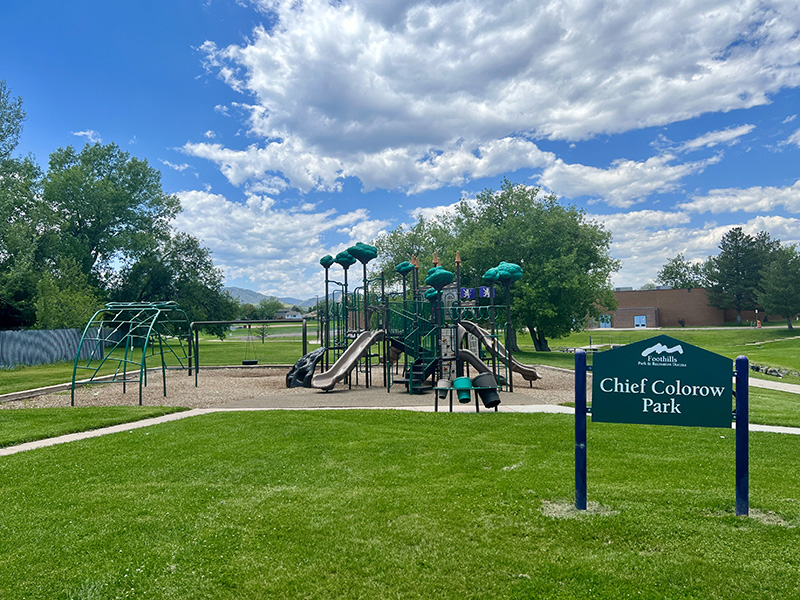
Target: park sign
[(662, 381)]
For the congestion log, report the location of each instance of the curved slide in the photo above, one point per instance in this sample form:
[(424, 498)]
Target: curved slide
[(348, 360), (527, 371)]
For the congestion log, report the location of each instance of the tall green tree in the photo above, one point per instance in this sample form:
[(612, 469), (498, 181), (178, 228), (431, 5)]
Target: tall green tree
[(21, 251), (735, 273), (106, 206), (565, 257), (679, 273), (269, 307), (179, 269), (421, 239), (65, 299), (779, 293)]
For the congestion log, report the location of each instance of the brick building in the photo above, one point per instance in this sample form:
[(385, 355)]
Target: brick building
[(667, 308)]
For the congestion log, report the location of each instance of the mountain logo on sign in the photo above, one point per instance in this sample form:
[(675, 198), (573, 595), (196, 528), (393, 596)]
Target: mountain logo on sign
[(661, 349)]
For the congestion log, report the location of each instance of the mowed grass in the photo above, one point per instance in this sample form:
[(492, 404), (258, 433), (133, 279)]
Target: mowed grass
[(389, 504), (773, 346), (22, 425)]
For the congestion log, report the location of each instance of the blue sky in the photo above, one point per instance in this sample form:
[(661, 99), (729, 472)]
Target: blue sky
[(291, 129)]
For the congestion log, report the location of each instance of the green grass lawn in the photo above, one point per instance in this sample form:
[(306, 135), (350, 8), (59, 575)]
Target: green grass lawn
[(389, 504), (30, 424)]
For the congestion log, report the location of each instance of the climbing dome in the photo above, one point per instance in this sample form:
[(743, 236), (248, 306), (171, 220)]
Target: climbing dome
[(120, 339)]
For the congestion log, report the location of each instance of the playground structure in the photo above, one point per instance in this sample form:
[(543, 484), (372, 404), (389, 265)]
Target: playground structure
[(433, 329), (436, 330), (120, 337)]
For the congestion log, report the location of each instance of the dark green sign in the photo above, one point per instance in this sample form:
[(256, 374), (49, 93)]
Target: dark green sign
[(662, 381)]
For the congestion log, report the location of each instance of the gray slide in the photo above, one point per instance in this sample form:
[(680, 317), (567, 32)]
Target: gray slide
[(528, 372), (347, 361), (475, 361)]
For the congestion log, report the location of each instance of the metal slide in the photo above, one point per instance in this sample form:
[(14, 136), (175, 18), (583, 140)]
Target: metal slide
[(347, 361), (528, 372)]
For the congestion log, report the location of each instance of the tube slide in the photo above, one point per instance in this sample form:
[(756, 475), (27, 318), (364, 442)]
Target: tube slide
[(528, 372), (347, 361)]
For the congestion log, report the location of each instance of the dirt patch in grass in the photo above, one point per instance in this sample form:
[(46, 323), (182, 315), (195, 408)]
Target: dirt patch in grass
[(567, 510)]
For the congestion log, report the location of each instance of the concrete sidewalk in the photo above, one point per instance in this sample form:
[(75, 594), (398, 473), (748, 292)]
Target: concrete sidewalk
[(527, 408), (775, 385)]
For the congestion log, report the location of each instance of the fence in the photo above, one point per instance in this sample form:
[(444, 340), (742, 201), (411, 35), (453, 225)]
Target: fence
[(40, 347)]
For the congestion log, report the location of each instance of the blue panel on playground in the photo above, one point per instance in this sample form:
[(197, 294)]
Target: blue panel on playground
[(486, 291), (468, 293)]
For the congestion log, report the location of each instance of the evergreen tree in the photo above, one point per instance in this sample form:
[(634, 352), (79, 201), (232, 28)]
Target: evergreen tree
[(780, 284), (735, 273)]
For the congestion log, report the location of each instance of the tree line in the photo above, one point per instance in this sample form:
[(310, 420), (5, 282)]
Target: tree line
[(95, 227), (750, 272)]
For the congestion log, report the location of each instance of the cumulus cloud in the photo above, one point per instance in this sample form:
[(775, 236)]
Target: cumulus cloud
[(754, 199), (418, 87), (275, 245), (625, 183)]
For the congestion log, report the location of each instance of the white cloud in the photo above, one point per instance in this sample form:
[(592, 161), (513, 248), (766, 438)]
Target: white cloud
[(210, 134), (794, 138), (624, 184), (645, 240), (415, 88), (180, 168), (90, 134), (754, 200), (275, 247), (728, 136)]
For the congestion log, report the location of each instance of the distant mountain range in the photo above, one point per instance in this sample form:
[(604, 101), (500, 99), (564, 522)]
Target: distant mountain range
[(246, 296)]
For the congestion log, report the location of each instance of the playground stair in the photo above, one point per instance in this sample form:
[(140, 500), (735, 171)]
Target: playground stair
[(415, 377)]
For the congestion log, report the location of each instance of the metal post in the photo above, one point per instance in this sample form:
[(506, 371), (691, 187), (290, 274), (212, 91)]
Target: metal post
[(509, 372), (196, 354), (191, 352), (742, 436), (580, 430), (327, 339), (459, 366), (305, 338)]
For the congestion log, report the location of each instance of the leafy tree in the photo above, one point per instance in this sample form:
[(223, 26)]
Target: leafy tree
[(565, 258), (11, 118), (679, 273), (780, 284), (181, 270), (269, 307), (248, 312), (422, 239), (65, 298), (21, 251), (735, 273), (106, 205)]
